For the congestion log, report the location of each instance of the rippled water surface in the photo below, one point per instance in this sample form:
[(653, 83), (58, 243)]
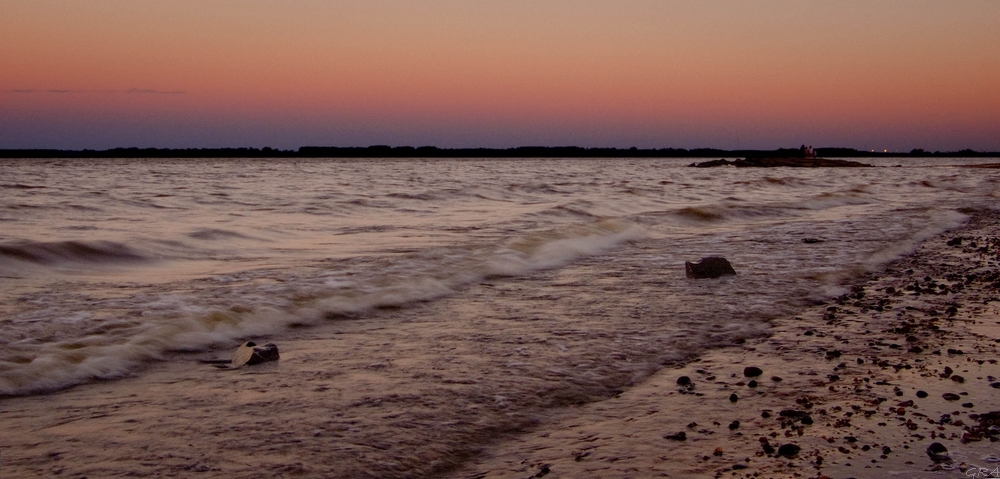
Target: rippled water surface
[(107, 264)]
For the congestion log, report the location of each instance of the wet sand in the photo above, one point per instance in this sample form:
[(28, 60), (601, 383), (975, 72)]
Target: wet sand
[(853, 366), (850, 365)]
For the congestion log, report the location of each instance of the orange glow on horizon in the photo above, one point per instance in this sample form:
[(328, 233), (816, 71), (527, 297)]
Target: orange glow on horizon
[(715, 67)]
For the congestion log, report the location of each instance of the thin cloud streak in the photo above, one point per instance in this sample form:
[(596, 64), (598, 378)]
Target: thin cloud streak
[(137, 91)]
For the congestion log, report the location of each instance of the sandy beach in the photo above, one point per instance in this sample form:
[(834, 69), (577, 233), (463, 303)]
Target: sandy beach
[(853, 366)]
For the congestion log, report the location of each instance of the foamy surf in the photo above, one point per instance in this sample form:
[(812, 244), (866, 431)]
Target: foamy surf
[(40, 362)]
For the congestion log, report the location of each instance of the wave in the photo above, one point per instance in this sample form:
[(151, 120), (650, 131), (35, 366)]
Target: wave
[(70, 251), (37, 360), (215, 234)]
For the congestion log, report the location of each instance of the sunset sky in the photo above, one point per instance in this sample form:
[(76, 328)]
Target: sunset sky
[(869, 74)]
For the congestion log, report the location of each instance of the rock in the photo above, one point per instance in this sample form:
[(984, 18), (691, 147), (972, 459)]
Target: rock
[(249, 354), (956, 241), (263, 354), (679, 436), (789, 450), (752, 371), (938, 453), (794, 162), (951, 396), (958, 379), (922, 394), (683, 381), (712, 163), (734, 425), (811, 240), (733, 397), (807, 420), (752, 384), (710, 267)]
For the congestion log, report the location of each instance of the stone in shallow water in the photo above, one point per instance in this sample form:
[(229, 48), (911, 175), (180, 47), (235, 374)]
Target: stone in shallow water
[(710, 267)]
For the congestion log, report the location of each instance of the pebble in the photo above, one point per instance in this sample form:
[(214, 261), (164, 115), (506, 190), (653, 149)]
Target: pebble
[(678, 436), (683, 381), (733, 397), (937, 452), (734, 425), (951, 396), (922, 394), (788, 450), (752, 371)]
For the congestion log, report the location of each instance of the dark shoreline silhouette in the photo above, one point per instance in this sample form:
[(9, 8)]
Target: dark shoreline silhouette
[(382, 151)]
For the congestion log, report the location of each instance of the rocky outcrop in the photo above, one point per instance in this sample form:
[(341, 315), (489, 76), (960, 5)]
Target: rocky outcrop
[(788, 162)]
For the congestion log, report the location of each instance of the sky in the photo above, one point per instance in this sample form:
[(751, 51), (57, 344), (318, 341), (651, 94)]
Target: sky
[(761, 74)]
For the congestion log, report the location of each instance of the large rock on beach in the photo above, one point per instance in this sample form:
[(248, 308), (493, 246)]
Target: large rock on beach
[(711, 267), (787, 162)]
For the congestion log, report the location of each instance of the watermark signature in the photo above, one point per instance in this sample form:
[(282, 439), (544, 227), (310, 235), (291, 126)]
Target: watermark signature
[(982, 472)]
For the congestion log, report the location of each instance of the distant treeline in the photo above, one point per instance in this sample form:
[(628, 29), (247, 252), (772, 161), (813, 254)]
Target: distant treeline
[(382, 151)]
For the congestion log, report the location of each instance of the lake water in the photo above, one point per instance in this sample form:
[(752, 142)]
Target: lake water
[(577, 264)]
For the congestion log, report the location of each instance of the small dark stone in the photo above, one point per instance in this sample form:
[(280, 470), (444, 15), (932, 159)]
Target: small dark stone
[(811, 240), (765, 414), (752, 371), (768, 449), (958, 379), (955, 351), (710, 267), (776, 379), (683, 381), (733, 397), (921, 394), (951, 396), (968, 404), (737, 467), (833, 354), (789, 450), (915, 349), (792, 413), (752, 384), (807, 420), (809, 332), (956, 241), (938, 453), (734, 425), (679, 436), (263, 354), (995, 385)]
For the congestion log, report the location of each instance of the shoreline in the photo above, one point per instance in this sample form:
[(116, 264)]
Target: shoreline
[(282, 418), (853, 367)]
